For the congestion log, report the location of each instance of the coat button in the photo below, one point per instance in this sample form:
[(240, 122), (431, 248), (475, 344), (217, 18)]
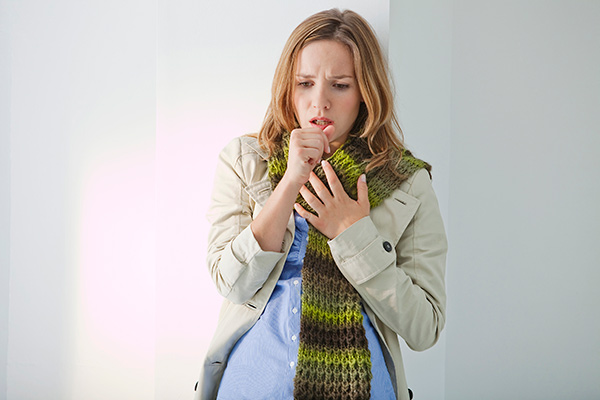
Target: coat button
[(387, 246)]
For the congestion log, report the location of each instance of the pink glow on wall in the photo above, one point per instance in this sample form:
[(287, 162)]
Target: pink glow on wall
[(189, 140), (115, 315)]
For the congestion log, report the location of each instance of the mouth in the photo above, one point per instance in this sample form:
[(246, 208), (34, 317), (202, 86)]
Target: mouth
[(321, 122)]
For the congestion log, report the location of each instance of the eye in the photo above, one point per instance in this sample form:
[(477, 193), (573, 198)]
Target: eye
[(304, 84), (341, 86)]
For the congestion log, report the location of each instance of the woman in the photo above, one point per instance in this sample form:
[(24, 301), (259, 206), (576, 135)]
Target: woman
[(326, 239)]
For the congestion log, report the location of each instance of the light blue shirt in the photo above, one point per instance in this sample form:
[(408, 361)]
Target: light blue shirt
[(262, 364)]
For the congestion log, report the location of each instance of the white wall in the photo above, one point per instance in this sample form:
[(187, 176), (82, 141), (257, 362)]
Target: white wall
[(503, 98), (4, 191), (82, 140), (524, 216)]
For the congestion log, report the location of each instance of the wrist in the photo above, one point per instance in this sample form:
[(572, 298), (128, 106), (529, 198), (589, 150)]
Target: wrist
[(291, 184)]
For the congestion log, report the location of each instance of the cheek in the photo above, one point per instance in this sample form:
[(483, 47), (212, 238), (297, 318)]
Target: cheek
[(352, 106), (298, 110), (297, 104)]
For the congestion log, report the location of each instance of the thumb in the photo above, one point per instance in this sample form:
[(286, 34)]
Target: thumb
[(362, 190), (327, 133)]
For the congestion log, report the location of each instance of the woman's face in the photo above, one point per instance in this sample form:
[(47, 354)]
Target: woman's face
[(326, 91)]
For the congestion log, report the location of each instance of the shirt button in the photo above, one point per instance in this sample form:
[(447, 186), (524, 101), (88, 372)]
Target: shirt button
[(296, 282), (294, 338), (292, 364), (294, 310), (387, 246)]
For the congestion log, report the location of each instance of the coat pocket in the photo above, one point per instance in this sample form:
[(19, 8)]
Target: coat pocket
[(393, 216)]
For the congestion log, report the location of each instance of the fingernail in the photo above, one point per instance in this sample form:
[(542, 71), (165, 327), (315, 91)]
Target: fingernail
[(323, 162), (363, 178)]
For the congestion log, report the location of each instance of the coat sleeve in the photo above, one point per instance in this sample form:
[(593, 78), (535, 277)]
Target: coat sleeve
[(402, 282), (237, 264)]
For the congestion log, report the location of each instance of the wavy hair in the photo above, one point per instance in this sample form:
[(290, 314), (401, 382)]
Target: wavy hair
[(376, 121)]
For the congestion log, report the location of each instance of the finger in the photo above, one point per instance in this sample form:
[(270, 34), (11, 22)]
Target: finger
[(312, 156), (307, 133), (362, 190), (320, 188), (307, 155), (303, 213), (311, 199), (312, 143), (334, 183), (315, 142)]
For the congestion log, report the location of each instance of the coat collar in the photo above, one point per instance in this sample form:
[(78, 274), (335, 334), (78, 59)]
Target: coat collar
[(263, 153)]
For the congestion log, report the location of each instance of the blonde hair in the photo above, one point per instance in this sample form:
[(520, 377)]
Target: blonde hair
[(376, 121)]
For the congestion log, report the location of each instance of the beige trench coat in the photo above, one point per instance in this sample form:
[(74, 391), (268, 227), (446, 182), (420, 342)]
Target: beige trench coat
[(402, 285)]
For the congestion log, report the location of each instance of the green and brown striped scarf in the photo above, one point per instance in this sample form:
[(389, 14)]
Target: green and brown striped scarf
[(334, 361)]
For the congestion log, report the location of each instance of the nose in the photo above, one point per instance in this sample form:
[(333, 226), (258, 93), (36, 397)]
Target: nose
[(321, 99)]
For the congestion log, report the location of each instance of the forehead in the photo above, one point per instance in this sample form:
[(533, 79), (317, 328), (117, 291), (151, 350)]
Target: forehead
[(327, 56)]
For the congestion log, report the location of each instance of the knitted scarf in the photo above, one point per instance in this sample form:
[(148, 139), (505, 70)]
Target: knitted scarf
[(334, 361)]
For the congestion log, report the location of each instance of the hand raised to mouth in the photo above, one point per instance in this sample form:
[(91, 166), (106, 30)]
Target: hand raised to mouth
[(307, 148)]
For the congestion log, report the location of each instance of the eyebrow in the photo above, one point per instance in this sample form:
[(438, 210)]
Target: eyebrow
[(304, 76)]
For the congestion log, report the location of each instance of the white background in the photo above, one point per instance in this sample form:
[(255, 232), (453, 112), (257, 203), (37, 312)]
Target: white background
[(111, 117)]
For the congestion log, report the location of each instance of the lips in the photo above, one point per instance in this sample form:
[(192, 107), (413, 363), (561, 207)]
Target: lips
[(321, 122)]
